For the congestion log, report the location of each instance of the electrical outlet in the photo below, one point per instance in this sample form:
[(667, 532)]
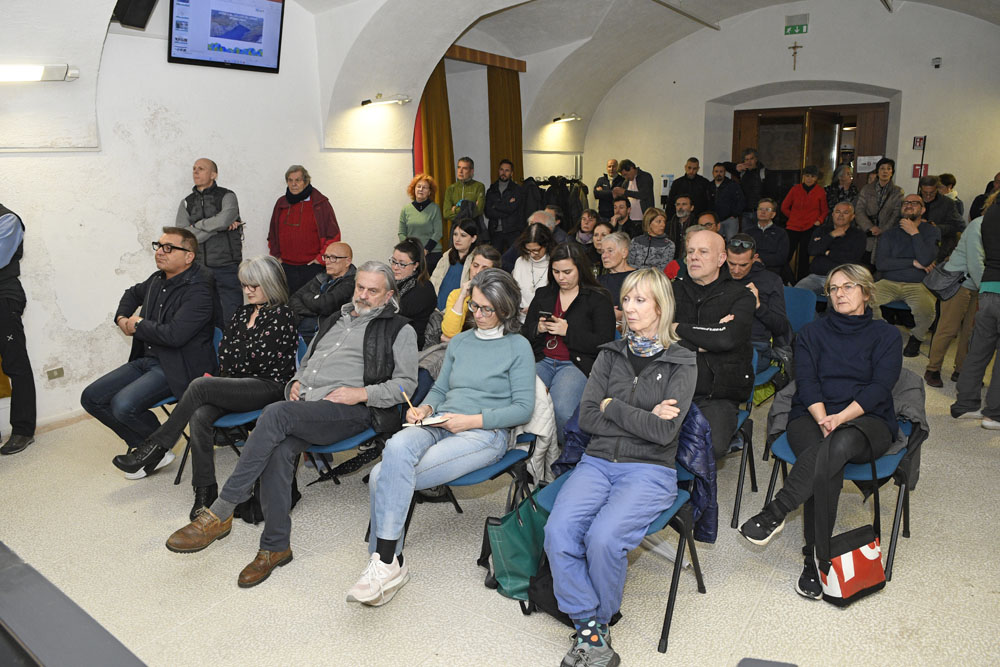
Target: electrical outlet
[(54, 373)]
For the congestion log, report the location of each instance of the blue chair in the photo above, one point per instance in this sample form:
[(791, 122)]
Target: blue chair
[(744, 425), (800, 306), (318, 453), (679, 517), (886, 467)]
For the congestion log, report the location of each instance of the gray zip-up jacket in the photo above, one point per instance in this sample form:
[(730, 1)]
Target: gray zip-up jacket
[(627, 431)]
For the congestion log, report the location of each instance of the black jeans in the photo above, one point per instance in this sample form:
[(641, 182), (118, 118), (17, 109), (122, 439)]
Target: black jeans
[(283, 432), (17, 367), (818, 473), (799, 241), (298, 275), (205, 400), (722, 416)]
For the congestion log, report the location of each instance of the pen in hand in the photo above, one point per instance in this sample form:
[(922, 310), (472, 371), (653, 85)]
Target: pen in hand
[(419, 421)]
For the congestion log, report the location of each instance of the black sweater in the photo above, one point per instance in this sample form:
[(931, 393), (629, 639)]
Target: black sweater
[(829, 252), (991, 243), (590, 321)]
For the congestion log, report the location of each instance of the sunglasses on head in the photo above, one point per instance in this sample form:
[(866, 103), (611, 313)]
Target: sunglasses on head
[(740, 243)]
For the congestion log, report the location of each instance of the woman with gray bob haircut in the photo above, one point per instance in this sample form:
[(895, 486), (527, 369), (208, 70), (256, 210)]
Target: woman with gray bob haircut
[(256, 360), (486, 387)]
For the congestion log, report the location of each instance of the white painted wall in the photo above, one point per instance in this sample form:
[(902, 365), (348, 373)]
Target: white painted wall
[(666, 121), (468, 103), (90, 216)]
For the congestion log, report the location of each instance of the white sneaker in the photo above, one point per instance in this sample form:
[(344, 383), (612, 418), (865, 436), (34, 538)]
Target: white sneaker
[(379, 582), (167, 459), (975, 414), (991, 424)]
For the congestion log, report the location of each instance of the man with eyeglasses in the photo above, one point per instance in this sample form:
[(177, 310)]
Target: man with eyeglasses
[(212, 214), (833, 244), (324, 294), (770, 321), (355, 375), (770, 239), (172, 343), (904, 256)]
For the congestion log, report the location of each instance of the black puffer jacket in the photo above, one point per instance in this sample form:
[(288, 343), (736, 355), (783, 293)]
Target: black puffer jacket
[(724, 367)]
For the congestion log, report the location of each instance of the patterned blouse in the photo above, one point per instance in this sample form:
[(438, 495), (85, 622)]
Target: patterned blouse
[(267, 350)]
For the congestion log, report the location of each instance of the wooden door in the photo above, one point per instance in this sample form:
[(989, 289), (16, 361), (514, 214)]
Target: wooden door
[(745, 132), (820, 142)]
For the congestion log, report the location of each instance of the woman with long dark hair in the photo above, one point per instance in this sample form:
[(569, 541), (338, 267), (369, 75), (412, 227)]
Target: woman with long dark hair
[(451, 274), (417, 299), (567, 321)]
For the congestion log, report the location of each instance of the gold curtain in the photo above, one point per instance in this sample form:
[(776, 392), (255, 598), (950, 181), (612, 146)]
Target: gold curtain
[(435, 128), (504, 89)]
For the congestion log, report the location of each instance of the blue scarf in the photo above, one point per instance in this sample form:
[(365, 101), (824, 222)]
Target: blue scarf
[(641, 346)]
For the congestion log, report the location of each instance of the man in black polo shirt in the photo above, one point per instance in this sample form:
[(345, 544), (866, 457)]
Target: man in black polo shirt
[(714, 317)]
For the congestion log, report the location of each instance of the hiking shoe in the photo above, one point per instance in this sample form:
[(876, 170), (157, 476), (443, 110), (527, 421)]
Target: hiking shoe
[(933, 378), (379, 582), (587, 655), (204, 496), (16, 443), (144, 460), (972, 414), (990, 424), (912, 348), (808, 585), (762, 528)]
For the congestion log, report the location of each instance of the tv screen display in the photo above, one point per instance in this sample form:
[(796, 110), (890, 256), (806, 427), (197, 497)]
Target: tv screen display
[(241, 34)]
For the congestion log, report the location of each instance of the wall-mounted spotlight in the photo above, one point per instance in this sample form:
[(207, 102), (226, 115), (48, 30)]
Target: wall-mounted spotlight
[(29, 73), (566, 118), (394, 99)]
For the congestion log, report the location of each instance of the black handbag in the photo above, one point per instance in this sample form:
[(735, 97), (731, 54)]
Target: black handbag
[(943, 283)]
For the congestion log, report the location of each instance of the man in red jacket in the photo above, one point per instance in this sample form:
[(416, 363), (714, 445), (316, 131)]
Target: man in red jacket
[(805, 207), (302, 225)]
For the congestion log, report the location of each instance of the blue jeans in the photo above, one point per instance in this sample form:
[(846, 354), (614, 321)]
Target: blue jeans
[(566, 383), (121, 399), (227, 285), (601, 513), (421, 457)]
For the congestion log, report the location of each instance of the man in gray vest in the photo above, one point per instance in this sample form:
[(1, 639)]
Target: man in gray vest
[(212, 214), (352, 378), (13, 350)]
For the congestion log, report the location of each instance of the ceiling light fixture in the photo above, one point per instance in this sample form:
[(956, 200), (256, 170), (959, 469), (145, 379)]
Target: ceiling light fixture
[(566, 118), (30, 73), (395, 99)]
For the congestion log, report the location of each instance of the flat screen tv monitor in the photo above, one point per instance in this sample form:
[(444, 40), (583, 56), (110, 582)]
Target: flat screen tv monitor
[(239, 34)]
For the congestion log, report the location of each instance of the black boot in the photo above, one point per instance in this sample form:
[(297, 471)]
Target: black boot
[(204, 496)]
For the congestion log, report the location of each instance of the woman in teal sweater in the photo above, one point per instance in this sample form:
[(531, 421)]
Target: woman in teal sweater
[(486, 387), (421, 218)]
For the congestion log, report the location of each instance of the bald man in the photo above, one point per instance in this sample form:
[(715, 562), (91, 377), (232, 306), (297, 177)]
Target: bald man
[(324, 294), (714, 316), (212, 214)]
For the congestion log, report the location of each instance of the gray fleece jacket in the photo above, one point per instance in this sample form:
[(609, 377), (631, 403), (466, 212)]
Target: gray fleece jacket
[(627, 431)]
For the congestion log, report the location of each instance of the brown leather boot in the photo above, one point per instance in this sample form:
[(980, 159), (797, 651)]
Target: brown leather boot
[(260, 568), (205, 529)]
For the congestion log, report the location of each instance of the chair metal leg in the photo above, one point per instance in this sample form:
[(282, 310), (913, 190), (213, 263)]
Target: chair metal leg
[(773, 482), (906, 513), (900, 500), (452, 499), (739, 487), (409, 515), (686, 527), (767, 450), (753, 468), (184, 457), (672, 595)]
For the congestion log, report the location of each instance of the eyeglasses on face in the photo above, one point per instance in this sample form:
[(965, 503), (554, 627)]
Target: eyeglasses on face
[(400, 265), (250, 288), (846, 287), (333, 258), (168, 247), (486, 310), (740, 243)]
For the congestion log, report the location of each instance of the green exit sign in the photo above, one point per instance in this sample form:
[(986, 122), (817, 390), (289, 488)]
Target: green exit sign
[(797, 29)]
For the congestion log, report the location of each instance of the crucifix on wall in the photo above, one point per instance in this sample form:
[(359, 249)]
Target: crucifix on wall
[(795, 53)]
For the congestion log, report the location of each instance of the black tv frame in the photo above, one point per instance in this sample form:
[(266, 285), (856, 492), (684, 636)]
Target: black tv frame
[(211, 63)]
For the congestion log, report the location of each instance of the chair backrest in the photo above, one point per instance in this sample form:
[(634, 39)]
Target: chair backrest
[(800, 306), (301, 352), (216, 340)]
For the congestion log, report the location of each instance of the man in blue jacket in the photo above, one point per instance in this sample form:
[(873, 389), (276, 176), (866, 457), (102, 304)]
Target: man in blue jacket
[(904, 256), (171, 343), (770, 321), (727, 200)]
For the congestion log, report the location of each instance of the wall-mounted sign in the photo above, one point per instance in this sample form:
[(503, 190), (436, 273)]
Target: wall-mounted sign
[(866, 163), (918, 143), (797, 24), (920, 170)]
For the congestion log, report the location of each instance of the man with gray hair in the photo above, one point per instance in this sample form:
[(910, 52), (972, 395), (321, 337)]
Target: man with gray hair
[(212, 214), (352, 378)]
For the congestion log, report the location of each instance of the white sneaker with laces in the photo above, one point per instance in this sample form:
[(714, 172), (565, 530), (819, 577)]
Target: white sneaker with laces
[(379, 582), (990, 424)]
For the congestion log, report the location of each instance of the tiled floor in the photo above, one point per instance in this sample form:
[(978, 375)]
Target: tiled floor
[(99, 537)]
